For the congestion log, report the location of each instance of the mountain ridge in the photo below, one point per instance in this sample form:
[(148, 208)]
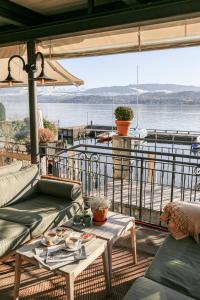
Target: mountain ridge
[(148, 93)]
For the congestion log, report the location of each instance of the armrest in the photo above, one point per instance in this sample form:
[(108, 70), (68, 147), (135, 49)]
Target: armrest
[(60, 179), (59, 188)]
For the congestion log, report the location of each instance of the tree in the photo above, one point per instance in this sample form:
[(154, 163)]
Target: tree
[(2, 112)]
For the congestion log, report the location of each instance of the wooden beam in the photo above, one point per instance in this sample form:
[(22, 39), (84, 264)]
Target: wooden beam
[(151, 14), (19, 15), (90, 6)]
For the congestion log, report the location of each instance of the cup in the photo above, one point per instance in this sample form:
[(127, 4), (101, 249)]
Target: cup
[(50, 237), (72, 242)]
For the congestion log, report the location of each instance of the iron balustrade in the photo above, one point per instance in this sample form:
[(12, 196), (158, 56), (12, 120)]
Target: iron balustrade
[(138, 184)]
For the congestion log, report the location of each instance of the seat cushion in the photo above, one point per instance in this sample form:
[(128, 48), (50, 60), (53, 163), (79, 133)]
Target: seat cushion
[(177, 265), (12, 235), (39, 213), (17, 186), (146, 289)]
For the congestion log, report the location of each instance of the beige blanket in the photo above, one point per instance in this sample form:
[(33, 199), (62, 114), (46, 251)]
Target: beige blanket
[(183, 219)]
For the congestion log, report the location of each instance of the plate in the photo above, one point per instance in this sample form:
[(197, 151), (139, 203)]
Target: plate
[(74, 249), (85, 237), (47, 245)]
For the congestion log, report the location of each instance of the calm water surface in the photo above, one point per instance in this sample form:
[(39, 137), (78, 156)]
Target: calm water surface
[(185, 117)]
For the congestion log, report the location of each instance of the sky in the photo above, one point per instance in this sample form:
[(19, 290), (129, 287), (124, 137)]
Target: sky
[(178, 66)]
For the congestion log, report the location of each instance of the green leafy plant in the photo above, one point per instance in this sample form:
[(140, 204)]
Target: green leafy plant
[(2, 112), (50, 125), (124, 113), (98, 203)]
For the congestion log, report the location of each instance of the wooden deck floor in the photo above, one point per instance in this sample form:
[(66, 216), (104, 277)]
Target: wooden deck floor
[(90, 285)]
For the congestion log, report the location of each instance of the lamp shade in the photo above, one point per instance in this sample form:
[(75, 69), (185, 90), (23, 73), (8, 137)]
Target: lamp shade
[(10, 80), (42, 78)]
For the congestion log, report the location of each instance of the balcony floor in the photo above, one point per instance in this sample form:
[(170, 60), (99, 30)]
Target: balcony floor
[(40, 284)]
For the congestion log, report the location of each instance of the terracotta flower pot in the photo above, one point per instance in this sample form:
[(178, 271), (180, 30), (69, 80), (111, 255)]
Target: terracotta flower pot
[(123, 127), (100, 215)]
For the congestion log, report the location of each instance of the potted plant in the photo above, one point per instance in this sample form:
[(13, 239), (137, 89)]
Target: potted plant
[(99, 207), (124, 116), (46, 137)]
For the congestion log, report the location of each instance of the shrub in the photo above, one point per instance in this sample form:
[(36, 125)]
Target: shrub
[(2, 112), (46, 135), (124, 113), (50, 125), (22, 135)]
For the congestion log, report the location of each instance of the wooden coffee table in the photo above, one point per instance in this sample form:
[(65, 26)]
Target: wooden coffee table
[(116, 225), (94, 249)]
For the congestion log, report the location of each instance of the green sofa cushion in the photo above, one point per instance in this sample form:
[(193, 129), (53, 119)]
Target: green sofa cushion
[(10, 168), (67, 190), (177, 265), (39, 213), (17, 186), (12, 235), (146, 289)]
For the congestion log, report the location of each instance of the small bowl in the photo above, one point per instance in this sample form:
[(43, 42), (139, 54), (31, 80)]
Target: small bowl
[(63, 232)]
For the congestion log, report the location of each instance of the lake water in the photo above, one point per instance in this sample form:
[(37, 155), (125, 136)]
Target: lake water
[(185, 117)]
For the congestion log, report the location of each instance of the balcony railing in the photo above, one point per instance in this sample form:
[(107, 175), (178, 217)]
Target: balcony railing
[(137, 182)]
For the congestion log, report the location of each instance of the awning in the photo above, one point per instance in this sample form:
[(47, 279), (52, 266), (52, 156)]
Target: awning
[(152, 37), (160, 36), (52, 69)]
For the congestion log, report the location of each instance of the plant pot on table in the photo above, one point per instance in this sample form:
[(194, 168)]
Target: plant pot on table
[(100, 215)]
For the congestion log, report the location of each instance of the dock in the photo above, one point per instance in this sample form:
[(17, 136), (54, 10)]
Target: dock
[(161, 136)]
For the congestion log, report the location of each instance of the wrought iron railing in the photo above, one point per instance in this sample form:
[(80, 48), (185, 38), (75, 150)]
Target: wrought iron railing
[(137, 182)]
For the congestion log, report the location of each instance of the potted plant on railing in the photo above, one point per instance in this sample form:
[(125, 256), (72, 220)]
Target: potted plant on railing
[(124, 116), (99, 207), (46, 136)]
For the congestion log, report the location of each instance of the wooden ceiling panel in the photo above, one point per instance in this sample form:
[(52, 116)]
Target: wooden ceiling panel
[(52, 7), (4, 21)]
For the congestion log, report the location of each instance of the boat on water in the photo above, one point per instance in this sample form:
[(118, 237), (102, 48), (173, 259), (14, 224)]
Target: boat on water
[(196, 146), (139, 134), (105, 136)]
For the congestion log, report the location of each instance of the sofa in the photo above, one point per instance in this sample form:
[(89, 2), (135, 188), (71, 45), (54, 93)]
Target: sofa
[(30, 205), (173, 275), (12, 167)]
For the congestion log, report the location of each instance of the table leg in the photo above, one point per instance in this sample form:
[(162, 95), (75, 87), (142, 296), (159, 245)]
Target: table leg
[(18, 262), (109, 249), (69, 286), (133, 243), (107, 272)]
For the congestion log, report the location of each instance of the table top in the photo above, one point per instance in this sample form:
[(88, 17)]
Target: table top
[(94, 249), (112, 229)]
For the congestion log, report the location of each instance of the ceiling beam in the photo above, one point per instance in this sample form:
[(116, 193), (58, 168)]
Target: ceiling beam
[(175, 10), (19, 15), (90, 6)]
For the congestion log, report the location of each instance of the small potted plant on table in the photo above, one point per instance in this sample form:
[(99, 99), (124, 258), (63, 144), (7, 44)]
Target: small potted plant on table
[(99, 207), (124, 116)]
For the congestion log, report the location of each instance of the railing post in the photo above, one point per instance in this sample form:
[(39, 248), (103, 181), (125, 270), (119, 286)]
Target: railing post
[(173, 177), (141, 187)]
